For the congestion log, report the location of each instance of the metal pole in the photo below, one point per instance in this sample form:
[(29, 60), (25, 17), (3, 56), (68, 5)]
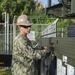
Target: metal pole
[(44, 8), (62, 34), (14, 28), (8, 33), (49, 3), (5, 32)]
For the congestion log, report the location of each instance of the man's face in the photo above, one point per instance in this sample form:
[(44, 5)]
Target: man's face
[(25, 29)]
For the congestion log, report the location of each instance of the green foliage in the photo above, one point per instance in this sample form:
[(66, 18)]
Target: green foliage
[(62, 23), (17, 7), (41, 20), (4, 71)]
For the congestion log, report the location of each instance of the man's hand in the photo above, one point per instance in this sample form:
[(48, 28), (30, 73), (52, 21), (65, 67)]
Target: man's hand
[(47, 49)]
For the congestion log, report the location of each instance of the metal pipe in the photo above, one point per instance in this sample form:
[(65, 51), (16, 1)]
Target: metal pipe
[(7, 33), (14, 28)]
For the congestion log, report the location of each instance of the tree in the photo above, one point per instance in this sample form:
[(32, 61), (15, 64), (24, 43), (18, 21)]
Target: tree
[(17, 7), (31, 8)]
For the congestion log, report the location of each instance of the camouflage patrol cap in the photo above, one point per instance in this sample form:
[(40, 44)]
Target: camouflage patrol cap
[(23, 20)]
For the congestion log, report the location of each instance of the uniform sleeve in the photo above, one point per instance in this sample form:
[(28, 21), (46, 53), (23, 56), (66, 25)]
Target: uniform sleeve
[(28, 51)]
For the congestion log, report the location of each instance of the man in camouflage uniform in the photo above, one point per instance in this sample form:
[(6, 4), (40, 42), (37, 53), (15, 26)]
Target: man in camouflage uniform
[(23, 55)]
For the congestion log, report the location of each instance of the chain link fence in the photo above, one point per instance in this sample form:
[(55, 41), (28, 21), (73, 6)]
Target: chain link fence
[(7, 36), (6, 40)]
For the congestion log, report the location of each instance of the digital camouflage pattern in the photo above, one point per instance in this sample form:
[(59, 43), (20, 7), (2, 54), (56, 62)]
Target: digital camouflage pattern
[(23, 56)]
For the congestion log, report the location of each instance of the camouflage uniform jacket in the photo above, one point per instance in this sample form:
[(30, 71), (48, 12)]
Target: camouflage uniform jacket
[(23, 56)]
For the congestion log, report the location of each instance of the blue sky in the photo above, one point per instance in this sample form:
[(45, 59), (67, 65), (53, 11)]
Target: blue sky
[(46, 2)]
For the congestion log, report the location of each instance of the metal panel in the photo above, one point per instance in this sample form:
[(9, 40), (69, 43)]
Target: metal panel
[(46, 41), (65, 46), (73, 6), (71, 31)]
